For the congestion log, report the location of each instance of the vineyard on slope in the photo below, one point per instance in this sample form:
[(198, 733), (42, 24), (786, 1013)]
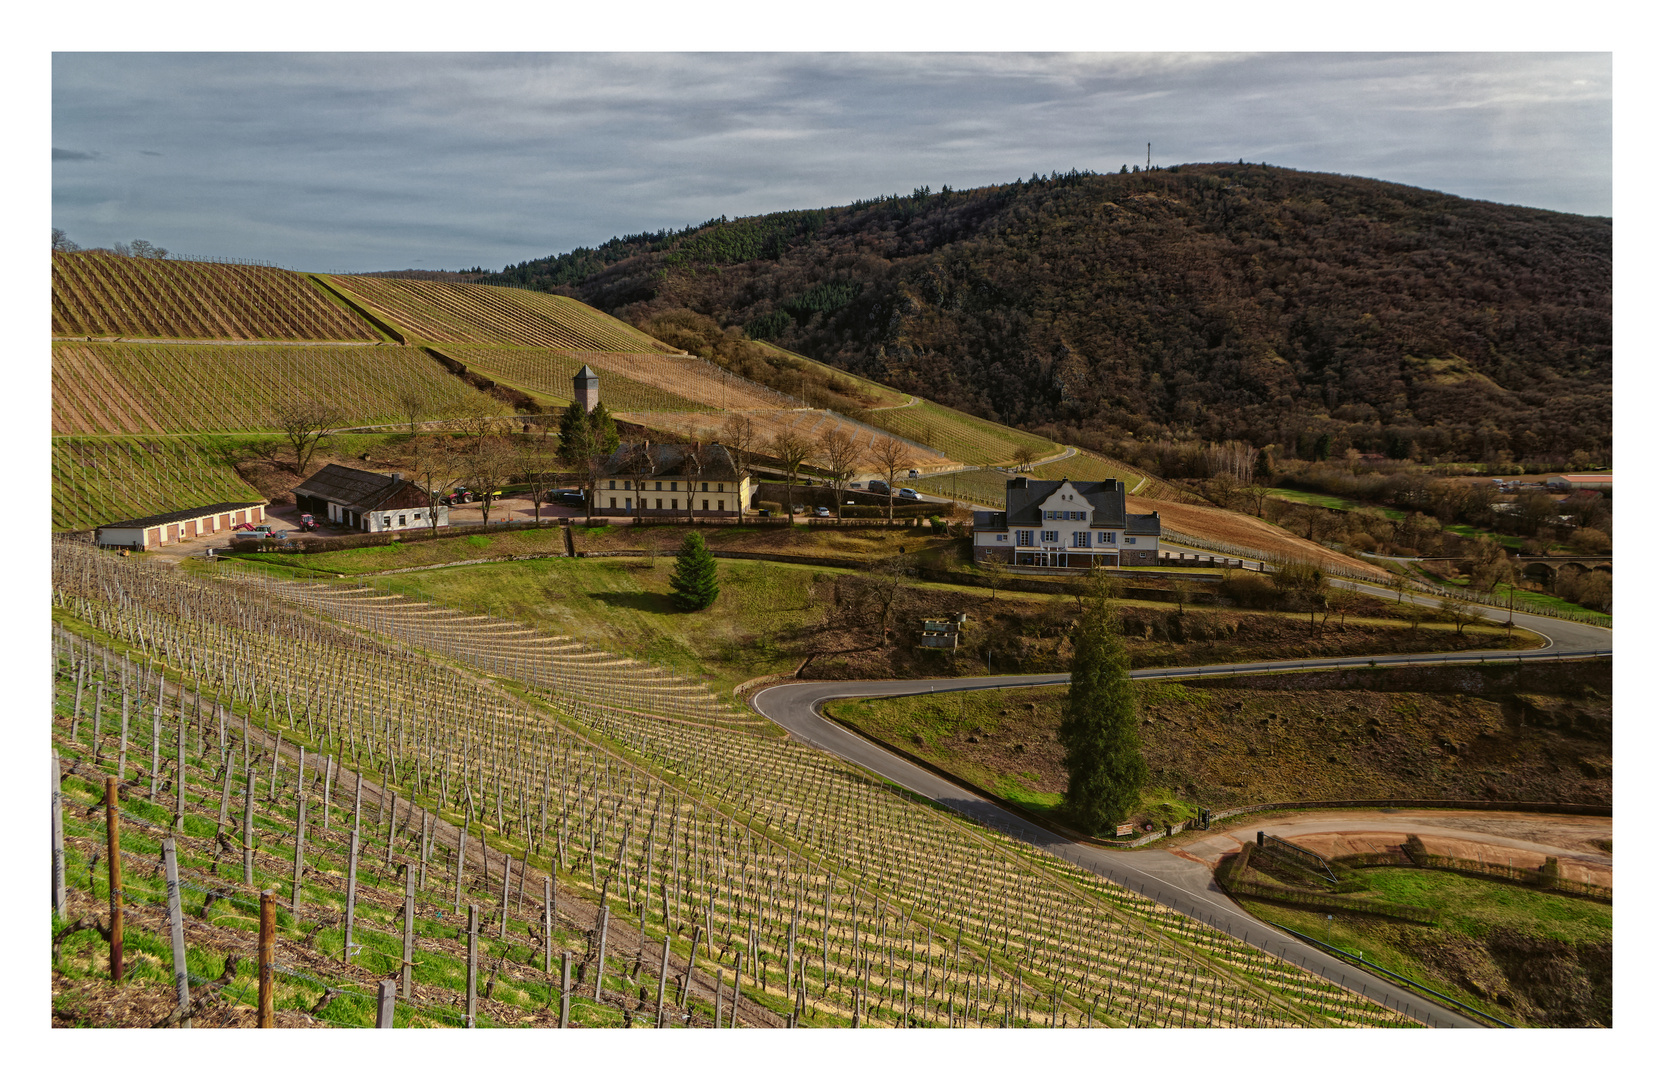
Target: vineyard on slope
[(98, 294), (99, 480), (132, 389), (951, 879), (547, 373), (960, 436), (448, 312)]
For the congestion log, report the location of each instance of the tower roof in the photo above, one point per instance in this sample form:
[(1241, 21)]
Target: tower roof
[(585, 373)]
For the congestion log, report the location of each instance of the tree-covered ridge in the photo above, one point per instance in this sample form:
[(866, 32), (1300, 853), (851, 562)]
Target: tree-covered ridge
[(1215, 301)]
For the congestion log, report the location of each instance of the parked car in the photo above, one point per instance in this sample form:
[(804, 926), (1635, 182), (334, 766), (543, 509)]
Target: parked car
[(908, 493), (765, 513), (798, 510), (878, 487), (821, 511), (912, 473), (567, 496)]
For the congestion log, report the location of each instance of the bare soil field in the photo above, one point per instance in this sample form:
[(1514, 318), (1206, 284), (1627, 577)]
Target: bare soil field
[(1240, 530)]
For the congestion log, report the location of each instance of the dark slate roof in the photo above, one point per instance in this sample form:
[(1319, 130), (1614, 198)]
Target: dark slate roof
[(183, 515), (585, 373), (672, 459), (1023, 496), (1144, 524), (987, 519), (355, 489)]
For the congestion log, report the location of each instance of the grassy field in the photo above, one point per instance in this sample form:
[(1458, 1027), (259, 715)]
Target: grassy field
[(1333, 502), (1528, 957), (1294, 737), (624, 606), (132, 389), (98, 294)]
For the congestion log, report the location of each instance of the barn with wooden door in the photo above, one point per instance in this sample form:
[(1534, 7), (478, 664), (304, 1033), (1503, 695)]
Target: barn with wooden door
[(366, 501), (158, 530)]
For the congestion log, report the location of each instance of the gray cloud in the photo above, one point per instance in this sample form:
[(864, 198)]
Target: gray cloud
[(340, 161)]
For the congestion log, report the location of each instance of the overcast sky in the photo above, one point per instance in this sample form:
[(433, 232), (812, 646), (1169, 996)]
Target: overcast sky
[(332, 161)]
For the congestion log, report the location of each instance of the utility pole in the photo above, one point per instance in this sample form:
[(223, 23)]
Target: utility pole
[(1146, 157)]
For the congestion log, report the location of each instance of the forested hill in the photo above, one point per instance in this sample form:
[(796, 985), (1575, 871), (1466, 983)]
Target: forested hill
[(1216, 301)]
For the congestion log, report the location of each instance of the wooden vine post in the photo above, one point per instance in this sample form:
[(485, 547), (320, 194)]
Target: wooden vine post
[(409, 928), (268, 940), (176, 930), (60, 887), (473, 964), (112, 823)]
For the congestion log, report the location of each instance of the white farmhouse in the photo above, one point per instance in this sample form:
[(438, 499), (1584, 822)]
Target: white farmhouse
[(1064, 523)]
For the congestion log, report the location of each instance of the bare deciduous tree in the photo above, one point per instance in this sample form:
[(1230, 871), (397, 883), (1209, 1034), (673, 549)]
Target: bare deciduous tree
[(434, 465), (487, 469), (793, 450), (889, 457), (535, 457), (304, 424), (739, 434), (839, 453), (414, 405)]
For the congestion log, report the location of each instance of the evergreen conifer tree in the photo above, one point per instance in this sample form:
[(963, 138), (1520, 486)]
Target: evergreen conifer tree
[(1099, 732), (604, 429), (577, 440), (693, 582)]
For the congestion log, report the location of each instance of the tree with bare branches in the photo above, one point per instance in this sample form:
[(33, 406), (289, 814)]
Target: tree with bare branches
[(487, 469), (477, 429), (414, 405), (1025, 458), (739, 434), (304, 424), (433, 464), (839, 453), (793, 450), (888, 457), (535, 458)]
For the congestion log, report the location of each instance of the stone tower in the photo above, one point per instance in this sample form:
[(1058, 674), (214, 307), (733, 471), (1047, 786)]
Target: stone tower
[(586, 388)]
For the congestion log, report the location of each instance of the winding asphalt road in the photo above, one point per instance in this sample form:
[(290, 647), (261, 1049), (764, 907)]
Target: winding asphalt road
[(1182, 884)]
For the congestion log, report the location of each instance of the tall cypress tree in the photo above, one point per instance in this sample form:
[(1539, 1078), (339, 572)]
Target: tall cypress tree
[(1100, 727), (693, 582)]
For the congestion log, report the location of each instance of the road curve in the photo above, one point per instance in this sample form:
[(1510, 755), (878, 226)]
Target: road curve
[(1180, 884)]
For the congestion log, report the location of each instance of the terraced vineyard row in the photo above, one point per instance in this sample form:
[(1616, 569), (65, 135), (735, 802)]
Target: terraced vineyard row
[(548, 373), (96, 481), (960, 436), (441, 311), (100, 294), (131, 389), (1014, 924)]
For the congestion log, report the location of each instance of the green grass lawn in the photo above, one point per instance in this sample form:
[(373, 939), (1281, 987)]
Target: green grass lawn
[(1473, 912), (1333, 502), (623, 605)]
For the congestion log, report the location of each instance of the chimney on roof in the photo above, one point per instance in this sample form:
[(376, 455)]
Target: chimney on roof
[(398, 476)]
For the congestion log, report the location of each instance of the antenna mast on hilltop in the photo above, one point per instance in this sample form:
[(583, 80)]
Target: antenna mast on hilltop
[(1146, 157)]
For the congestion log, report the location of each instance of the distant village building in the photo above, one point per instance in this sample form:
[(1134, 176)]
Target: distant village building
[(367, 501), (586, 388), (670, 480), (1063, 523), (158, 530)]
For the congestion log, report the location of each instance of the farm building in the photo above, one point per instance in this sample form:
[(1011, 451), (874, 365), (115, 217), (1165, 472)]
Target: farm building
[(367, 501), (1066, 523), (1580, 482), (143, 534), (671, 479)]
